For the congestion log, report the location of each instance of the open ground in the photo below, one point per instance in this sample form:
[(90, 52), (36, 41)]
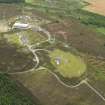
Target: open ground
[(96, 6)]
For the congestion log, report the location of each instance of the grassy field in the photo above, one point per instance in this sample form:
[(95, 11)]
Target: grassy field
[(54, 93), (101, 30), (68, 4), (5, 13), (12, 94), (92, 20), (70, 65), (34, 37)]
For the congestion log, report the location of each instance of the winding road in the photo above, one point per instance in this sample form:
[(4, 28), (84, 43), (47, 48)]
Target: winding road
[(37, 61)]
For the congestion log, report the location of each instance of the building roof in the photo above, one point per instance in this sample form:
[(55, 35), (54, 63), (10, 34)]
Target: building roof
[(19, 25)]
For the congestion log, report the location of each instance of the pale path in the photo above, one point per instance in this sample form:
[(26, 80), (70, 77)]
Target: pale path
[(92, 88)]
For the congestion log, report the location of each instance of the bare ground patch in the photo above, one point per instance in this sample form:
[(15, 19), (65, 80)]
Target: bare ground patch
[(96, 6)]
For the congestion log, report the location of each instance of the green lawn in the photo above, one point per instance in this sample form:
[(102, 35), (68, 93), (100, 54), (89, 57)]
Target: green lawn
[(69, 8), (101, 30), (33, 37), (12, 94), (13, 39), (70, 65)]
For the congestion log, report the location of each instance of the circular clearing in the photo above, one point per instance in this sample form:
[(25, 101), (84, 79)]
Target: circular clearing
[(67, 64)]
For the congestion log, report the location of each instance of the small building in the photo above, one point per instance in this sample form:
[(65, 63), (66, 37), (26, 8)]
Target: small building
[(58, 60), (19, 25)]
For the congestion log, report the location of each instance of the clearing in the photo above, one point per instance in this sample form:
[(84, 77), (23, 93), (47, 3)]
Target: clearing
[(67, 64)]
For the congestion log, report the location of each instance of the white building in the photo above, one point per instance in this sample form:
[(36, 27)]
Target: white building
[(19, 25), (58, 60)]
